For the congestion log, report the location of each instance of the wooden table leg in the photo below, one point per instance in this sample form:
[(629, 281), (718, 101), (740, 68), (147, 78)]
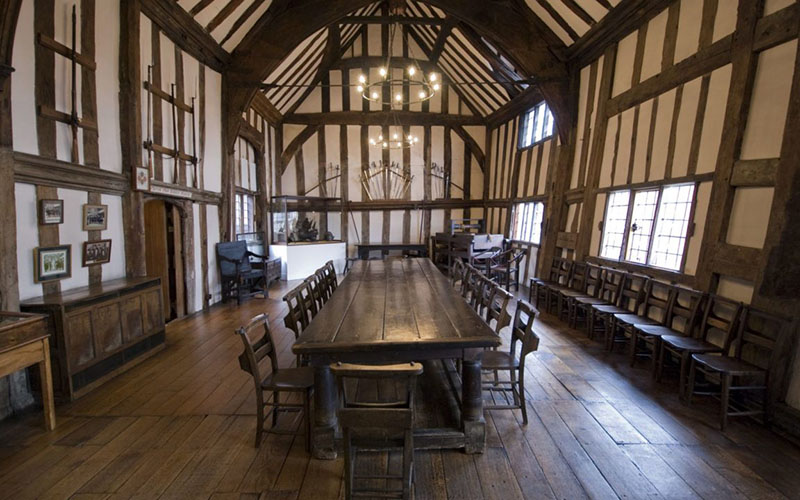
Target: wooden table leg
[(47, 387), (472, 405), (325, 402)]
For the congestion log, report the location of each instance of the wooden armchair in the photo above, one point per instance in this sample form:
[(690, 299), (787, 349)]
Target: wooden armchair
[(504, 267), (236, 272)]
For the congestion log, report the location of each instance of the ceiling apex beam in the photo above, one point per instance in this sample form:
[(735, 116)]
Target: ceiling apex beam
[(433, 21)]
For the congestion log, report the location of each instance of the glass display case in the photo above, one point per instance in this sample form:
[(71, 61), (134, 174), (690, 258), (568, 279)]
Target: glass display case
[(305, 219)]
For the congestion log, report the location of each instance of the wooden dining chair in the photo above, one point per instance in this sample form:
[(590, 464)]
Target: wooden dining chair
[(742, 370), (653, 311), (504, 267), (629, 300), (457, 273), (298, 317), (377, 425), (496, 313), (471, 275), (576, 288), (330, 274), (592, 286), (557, 277), (320, 276), (521, 332), (308, 294), (720, 320), (610, 289), (316, 290), (298, 381)]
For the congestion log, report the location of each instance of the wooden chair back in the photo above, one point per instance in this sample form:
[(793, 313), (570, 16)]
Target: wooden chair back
[(522, 331), (497, 309), (457, 273), (309, 297), (686, 310), (330, 274), (403, 375), (593, 280), (563, 273), (611, 285), (578, 279), (658, 300), (632, 292), (256, 350), (297, 317), (316, 289), (471, 275), (757, 335), (321, 278), (480, 293), (720, 320)]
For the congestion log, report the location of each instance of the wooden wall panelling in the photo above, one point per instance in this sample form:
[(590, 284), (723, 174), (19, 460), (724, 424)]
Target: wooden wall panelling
[(131, 135), (743, 73)]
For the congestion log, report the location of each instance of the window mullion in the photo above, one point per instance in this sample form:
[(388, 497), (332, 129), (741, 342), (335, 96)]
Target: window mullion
[(623, 251), (656, 214)]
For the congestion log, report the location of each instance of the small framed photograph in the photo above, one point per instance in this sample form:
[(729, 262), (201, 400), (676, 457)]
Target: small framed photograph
[(142, 179), (52, 263), (96, 252), (51, 212), (95, 217)]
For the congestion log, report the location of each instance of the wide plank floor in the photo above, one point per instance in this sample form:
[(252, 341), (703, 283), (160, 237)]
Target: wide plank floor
[(181, 425)]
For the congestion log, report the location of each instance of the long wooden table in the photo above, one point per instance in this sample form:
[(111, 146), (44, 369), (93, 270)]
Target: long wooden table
[(391, 311)]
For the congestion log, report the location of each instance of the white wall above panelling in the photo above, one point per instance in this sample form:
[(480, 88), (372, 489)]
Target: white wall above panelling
[(626, 53), (642, 138), (725, 23), (695, 241), (750, 216), (71, 233), (23, 98), (685, 129), (714, 119), (763, 135), (654, 45), (771, 6), (107, 78), (116, 268), (658, 162), (27, 239), (689, 22), (212, 157)]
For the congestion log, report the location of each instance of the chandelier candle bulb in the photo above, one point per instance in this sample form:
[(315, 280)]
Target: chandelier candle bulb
[(432, 77), (362, 79), (411, 70), (382, 71)]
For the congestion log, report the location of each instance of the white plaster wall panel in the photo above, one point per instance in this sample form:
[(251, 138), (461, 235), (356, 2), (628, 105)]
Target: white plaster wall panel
[(213, 238), (654, 46), (196, 302), (714, 119), (71, 233), (374, 39), (312, 103), (437, 221), (168, 139), (623, 71), (457, 164), (335, 78), (27, 238), (736, 289), (750, 216), (107, 78), (642, 140), (191, 86), (608, 151), (518, 190), (226, 25), (694, 243), (599, 211), (212, 158), (375, 153), (545, 167), (570, 17), (666, 107), (289, 179), (624, 147), (529, 174), (356, 101), (332, 156), (437, 142), (571, 212), (476, 180), (311, 164), (689, 22), (375, 226), (478, 133), (396, 226), (685, 131), (769, 104), (115, 232), (145, 59), (23, 97), (373, 76), (771, 6), (354, 162), (583, 98), (725, 22)]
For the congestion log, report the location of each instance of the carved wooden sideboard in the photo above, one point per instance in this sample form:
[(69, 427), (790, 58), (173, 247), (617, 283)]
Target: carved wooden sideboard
[(100, 331)]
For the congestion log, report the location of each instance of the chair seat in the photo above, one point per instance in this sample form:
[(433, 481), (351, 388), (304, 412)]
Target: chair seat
[(589, 301), (728, 365), (681, 343), (656, 331), (498, 360), (609, 309), (634, 319), (287, 379), (573, 294)]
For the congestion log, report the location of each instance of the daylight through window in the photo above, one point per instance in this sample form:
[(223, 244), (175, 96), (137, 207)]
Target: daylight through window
[(537, 125), (527, 222)]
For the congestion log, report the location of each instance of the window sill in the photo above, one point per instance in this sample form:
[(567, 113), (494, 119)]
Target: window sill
[(674, 277)]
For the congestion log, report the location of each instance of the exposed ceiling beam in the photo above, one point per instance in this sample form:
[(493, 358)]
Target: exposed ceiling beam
[(223, 14), (265, 108), (525, 100), (499, 71), (441, 40), (403, 118), (333, 51), (186, 33), (627, 16)]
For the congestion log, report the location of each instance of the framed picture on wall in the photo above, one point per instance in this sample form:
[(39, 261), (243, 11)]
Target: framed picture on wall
[(51, 212), (52, 263), (95, 217), (96, 252), (142, 179)]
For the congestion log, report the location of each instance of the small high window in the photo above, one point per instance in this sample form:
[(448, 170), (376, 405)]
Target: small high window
[(245, 216), (653, 230), (527, 222), (537, 125)]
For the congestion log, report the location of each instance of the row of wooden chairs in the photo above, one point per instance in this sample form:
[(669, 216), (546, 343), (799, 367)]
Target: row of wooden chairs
[(493, 304), (732, 345), (305, 300)]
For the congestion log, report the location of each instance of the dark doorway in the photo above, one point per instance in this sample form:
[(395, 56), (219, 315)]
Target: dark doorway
[(164, 254)]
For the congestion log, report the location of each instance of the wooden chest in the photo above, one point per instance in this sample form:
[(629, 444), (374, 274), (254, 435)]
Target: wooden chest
[(100, 330)]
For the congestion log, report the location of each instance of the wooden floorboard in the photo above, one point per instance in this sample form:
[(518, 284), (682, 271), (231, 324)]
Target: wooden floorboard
[(181, 425)]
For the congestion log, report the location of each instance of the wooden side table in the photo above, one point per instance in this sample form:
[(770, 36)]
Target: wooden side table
[(24, 341)]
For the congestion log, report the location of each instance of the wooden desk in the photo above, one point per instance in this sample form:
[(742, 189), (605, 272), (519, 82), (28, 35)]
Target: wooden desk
[(365, 249), (395, 311), (24, 341)]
